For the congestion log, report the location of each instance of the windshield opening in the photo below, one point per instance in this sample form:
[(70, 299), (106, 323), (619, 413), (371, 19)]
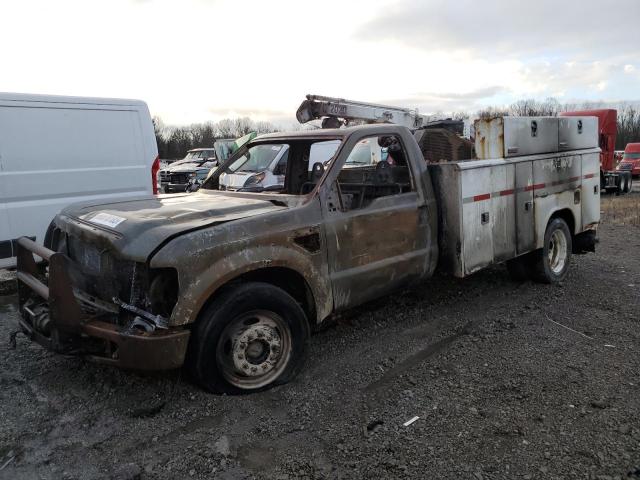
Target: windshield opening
[(290, 168), (257, 158)]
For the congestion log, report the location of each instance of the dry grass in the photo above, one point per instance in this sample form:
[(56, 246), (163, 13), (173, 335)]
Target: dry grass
[(621, 210)]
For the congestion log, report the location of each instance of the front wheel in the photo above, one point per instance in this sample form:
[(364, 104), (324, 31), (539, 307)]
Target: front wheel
[(552, 261), (252, 337)]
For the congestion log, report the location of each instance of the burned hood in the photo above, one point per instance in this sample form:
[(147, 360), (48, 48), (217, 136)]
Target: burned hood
[(136, 227)]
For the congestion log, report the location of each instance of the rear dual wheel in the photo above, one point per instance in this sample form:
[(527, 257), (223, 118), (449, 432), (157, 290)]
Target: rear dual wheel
[(626, 183), (549, 264)]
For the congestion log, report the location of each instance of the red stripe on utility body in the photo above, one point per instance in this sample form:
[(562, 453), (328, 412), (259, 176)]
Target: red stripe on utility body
[(479, 198), (507, 192), (537, 186)]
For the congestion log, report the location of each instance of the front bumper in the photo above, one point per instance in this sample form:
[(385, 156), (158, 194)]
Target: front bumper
[(174, 187), (632, 168), (58, 322)]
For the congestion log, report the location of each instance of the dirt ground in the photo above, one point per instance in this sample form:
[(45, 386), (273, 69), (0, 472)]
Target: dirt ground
[(507, 380)]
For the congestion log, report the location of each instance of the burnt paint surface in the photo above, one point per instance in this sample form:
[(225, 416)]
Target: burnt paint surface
[(211, 238)]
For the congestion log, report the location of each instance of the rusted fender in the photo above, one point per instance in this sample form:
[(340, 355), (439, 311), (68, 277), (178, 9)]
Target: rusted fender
[(218, 255)]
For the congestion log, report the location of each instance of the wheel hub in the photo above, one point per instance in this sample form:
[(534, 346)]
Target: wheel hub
[(256, 350), (557, 251)]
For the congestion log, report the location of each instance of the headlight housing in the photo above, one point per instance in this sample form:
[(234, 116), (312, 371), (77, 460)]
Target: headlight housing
[(255, 180)]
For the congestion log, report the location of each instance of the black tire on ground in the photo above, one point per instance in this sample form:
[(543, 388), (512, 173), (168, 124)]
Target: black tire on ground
[(627, 183), (622, 188), (519, 268), (552, 261), (252, 337)]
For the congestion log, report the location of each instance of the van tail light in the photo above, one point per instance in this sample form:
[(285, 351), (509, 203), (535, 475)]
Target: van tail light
[(154, 174)]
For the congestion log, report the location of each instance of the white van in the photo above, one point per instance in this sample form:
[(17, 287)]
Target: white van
[(59, 150), (266, 167)]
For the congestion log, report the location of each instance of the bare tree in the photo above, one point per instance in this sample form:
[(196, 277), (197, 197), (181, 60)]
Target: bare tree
[(492, 112), (534, 108), (174, 142), (628, 126), (628, 114)]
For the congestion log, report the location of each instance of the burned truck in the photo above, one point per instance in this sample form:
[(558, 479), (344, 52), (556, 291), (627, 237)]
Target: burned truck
[(231, 284)]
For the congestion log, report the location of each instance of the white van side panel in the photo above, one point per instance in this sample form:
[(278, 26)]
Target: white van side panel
[(5, 246), (53, 154)]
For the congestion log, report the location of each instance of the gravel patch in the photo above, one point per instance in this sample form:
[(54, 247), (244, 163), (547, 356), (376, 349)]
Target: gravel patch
[(8, 283), (508, 380)]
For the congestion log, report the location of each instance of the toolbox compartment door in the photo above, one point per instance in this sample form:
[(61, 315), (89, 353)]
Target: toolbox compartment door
[(476, 228), (575, 133), (590, 189), (525, 226)]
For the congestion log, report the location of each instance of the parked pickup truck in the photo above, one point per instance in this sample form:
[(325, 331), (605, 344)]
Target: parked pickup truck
[(630, 160), (194, 166), (232, 283)]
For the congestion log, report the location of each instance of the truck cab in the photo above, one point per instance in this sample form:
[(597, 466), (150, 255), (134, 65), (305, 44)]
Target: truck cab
[(630, 161), (612, 179)]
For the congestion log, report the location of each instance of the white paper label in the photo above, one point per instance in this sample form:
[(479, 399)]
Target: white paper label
[(107, 220)]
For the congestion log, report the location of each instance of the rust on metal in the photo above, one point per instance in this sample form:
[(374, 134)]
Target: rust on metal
[(57, 321)]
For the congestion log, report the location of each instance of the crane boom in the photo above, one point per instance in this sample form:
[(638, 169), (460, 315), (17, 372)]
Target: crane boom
[(335, 112)]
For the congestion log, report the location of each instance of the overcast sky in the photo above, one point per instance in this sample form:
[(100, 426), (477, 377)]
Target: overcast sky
[(198, 60)]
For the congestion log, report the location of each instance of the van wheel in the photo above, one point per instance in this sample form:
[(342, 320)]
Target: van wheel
[(252, 337), (519, 268), (552, 261)]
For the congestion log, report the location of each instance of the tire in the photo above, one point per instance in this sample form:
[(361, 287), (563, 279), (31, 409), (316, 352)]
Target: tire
[(252, 337), (624, 184), (628, 183), (519, 268), (552, 261)]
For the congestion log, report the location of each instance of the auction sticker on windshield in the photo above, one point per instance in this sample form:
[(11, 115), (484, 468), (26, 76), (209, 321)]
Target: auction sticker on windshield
[(107, 220)]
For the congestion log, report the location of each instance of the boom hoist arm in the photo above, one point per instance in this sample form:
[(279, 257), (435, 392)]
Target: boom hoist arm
[(336, 112)]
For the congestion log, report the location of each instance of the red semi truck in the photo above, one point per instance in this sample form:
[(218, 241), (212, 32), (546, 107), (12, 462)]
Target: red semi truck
[(611, 179), (630, 160)]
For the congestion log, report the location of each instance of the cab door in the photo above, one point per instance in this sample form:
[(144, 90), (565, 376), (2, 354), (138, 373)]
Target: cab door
[(375, 227)]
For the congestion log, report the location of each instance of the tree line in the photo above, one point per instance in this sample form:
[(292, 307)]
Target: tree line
[(174, 142), (628, 114)]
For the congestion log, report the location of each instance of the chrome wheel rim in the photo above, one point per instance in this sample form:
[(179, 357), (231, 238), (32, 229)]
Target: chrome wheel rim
[(254, 349), (557, 253)]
